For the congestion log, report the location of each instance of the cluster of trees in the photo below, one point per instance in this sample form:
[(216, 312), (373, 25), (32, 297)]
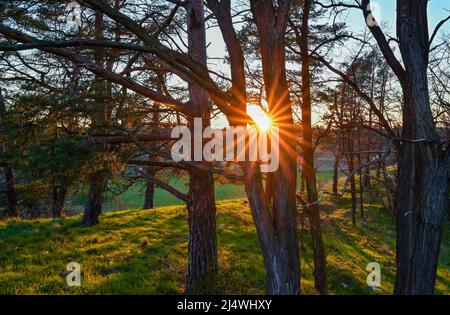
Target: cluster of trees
[(95, 102)]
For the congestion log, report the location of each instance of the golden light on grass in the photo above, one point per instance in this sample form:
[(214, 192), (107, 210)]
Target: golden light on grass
[(261, 119)]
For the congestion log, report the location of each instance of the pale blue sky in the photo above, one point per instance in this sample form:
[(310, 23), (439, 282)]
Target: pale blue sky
[(437, 11)]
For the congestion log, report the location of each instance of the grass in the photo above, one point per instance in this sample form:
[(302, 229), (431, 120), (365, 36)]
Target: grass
[(145, 252), (133, 198)]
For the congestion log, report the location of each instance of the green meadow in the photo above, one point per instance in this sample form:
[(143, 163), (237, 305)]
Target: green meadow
[(145, 252)]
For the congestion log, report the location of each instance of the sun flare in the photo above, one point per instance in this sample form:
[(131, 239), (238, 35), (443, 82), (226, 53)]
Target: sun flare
[(260, 117)]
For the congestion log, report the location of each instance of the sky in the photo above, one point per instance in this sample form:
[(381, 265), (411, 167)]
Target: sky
[(384, 10)]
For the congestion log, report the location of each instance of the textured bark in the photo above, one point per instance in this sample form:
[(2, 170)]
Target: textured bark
[(202, 264), (308, 171), (278, 234), (423, 187), (279, 249)]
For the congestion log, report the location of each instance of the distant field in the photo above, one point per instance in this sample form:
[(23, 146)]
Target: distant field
[(133, 198)]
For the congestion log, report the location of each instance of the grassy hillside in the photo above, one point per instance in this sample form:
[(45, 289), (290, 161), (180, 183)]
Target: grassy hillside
[(145, 252)]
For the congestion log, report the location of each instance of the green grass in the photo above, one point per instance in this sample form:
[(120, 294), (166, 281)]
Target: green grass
[(133, 198), (145, 252)]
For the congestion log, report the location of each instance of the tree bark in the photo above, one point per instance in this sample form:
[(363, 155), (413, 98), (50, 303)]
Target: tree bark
[(308, 171), (94, 205), (335, 173), (361, 180), (278, 234), (351, 167), (59, 196), (97, 182), (279, 249), (149, 190), (423, 187), (202, 264)]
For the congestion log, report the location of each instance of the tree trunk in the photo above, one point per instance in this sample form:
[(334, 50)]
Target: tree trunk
[(202, 267), (423, 187), (308, 171), (202, 264), (97, 183), (336, 173), (276, 226), (11, 193), (351, 167), (94, 205), (361, 180), (278, 235), (59, 196), (149, 190)]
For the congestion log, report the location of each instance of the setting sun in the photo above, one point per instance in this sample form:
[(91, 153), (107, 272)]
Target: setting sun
[(259, 116)]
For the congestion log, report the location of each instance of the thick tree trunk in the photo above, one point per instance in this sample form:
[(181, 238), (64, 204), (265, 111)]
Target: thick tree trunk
[(202, 264), (280, 241), (59, 196), (202, 267), (11, 193), (94, 205), (276, 226), (308, 171), (281, 264), (423, 187)]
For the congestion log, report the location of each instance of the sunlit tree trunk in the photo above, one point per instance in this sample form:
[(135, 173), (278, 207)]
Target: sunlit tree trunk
[(280, 249), (276, 229)]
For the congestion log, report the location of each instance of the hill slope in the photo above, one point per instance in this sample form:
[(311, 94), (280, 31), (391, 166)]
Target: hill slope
[(145, 252)]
